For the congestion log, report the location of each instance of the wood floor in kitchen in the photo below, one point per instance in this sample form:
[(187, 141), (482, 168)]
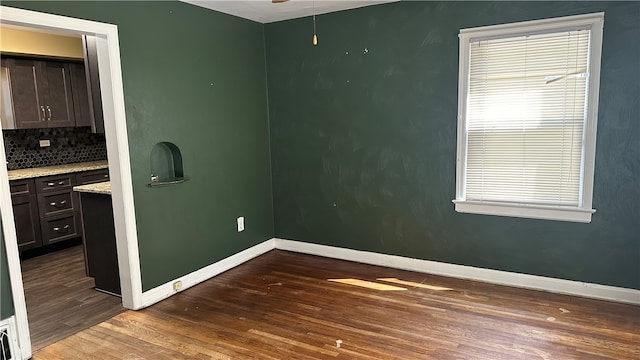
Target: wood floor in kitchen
[(284, 305), (60, 297)]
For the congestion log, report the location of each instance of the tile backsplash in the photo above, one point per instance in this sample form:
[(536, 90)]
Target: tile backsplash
[(68, 145)]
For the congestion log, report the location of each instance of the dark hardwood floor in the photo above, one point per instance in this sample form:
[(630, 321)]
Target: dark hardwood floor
[(283, 306), (60, 298)]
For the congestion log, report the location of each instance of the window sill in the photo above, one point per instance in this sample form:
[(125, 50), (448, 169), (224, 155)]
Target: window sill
[(547, 212)]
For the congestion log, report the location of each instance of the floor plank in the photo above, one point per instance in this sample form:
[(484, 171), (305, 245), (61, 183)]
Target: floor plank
[(282, 306), (60, 298)]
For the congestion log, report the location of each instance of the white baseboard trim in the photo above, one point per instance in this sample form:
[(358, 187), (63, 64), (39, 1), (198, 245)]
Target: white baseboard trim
[(569, 287), (165, 290)]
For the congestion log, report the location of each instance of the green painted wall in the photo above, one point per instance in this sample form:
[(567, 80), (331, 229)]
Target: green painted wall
[(6, 301), (195, 78), (363, 134), (362, 137)]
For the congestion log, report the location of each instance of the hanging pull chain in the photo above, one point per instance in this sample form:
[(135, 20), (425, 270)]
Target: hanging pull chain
[(315, 37)]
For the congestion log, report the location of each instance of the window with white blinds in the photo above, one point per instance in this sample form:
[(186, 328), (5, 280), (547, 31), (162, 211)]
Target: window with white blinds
[(527, 121)]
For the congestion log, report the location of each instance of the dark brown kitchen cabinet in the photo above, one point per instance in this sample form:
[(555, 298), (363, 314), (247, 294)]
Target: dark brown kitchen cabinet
[(54, 183), (81, 103), (58, 207), (40, 91), (59, 104), (25, 212), (93, 83), (60, 227), (46, 209), (84, 178), (57, 203), (100, 241), (92, 176), (22, 95)]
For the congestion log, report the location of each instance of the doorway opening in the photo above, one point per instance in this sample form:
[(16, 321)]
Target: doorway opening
[(118, 164)]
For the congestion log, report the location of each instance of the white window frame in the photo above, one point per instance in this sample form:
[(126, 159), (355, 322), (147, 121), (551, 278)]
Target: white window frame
[(580, 213)]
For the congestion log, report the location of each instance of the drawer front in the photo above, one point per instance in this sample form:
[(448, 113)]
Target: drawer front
[(57, 203), (22, 187), (54, 183), (60, 228), (93, 176)]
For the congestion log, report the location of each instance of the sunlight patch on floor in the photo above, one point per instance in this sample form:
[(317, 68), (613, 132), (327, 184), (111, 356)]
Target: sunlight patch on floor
[(368, 284), (414, 284)]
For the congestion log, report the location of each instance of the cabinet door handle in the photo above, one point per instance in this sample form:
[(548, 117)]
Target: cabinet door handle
[(49, 110), (43, 115), (51, 184), (64, 229), (60, 204), (106, 176), (60, 182)]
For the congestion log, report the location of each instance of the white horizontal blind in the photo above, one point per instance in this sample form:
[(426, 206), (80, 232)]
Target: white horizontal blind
[(526, 110)]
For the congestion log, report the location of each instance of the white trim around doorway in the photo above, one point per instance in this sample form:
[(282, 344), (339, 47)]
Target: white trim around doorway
[(118, 156)]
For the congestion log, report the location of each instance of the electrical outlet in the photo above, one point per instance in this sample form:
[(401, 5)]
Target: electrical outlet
[(45, 143), (177, 286), (241, 223)]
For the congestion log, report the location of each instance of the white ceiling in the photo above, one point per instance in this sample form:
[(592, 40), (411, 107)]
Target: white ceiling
[(265, 11)]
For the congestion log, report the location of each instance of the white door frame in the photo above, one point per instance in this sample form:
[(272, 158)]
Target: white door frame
[(119, 165)]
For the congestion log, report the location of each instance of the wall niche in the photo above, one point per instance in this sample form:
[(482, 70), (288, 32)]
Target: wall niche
[(166, 164)]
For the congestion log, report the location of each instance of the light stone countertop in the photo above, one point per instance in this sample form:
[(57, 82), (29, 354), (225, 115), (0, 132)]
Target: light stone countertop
[(97, 188), (57, 169)]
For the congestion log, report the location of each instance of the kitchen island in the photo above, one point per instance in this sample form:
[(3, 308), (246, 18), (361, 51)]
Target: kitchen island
[(99, 236)]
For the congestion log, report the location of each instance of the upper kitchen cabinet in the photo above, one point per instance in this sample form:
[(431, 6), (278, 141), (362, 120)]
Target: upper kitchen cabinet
[(57, 91), (81, 103), (18, 82), (93, 83), (6, 104), (38, 92), (85, 83)]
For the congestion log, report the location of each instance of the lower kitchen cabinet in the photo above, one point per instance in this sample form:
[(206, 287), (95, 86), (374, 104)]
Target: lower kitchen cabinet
[(25, 212), (57, 203), (46, 210), (60, 227), (92, 176)]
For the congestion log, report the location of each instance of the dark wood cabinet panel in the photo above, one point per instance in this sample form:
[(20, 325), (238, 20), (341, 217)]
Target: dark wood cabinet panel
[(56, 90), (39, 92), (83, 110), (46, 210), (57, 203), (93, 82), (60, 227), (25, 211), (6, 103), (92, 176), (83, 178), (100, 241), (28, 111), (59, 209), (55, 183), (22, 187)]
